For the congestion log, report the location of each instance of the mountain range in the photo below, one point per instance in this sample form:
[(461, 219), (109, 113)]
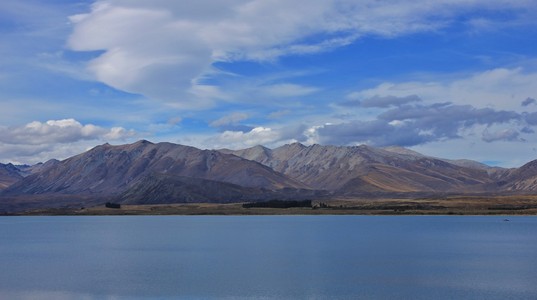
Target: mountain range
[(148, 173)]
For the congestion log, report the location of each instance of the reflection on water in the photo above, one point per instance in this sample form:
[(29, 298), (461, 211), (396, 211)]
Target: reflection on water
[(279, 257)]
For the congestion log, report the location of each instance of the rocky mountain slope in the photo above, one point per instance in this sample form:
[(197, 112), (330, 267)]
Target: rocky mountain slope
[(352, 170), (144, 173), (9, 174), (110, 170), (519, 179), (166, 188)]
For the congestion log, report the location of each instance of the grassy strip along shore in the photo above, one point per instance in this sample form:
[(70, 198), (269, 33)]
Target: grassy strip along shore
[(456, 205)]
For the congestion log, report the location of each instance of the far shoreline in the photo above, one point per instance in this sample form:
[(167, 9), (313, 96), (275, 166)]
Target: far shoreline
[(455, 205)]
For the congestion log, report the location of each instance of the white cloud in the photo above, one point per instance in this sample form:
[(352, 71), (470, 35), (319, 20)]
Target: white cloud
[(147, 51), (269, 135), (266, 136), (499, 88), (58, 131), (118, 133), (37, 141), (238, 139), (160, 48)]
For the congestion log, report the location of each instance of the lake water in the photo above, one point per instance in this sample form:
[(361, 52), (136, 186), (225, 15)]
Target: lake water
[(268, 257)]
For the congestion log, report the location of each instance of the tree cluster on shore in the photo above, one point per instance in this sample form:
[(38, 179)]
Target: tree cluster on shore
[(278, 204), (112, 205)]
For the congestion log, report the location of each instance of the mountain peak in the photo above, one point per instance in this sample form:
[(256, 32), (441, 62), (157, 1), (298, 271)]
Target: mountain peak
[(293, 146), (143, 142), (102, 146), (297, 144), (256, 153), (260, 147)]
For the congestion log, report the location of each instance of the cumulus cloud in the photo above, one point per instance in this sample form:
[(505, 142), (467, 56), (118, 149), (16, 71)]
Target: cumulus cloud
[(239, 139), (162, 48), (59, 131), (261, 135), (117, 133), (410, 125), (441, 110), (40, 140)]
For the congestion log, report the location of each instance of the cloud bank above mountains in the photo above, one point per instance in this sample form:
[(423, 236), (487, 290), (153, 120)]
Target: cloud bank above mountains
[(27, 143)]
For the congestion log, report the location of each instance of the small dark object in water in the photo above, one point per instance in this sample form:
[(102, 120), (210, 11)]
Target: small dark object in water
[(506, 220)]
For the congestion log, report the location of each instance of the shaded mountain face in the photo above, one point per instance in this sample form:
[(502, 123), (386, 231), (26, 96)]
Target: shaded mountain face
[(109, 170), (27, 170), (9, 174), (522, 179), (352, 170), (166, 188)]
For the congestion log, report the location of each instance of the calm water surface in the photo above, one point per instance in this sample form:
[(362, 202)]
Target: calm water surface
[(268, 257)]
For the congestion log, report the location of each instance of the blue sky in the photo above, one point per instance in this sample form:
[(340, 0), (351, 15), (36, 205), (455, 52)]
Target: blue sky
[(448, 78)]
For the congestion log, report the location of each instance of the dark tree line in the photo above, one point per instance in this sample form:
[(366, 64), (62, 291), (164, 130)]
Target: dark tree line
[(278, 204), (112, 205)]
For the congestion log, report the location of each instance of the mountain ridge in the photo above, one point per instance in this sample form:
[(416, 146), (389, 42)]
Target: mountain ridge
[(144, 172), (108, 169), (332, 167)]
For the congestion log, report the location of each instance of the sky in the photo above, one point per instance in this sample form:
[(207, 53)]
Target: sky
[(447, 78)]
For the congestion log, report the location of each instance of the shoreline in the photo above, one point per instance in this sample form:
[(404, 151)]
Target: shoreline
[(457, 205)]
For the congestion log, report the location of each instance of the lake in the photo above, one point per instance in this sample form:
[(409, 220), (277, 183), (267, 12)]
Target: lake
[(268, 257)]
